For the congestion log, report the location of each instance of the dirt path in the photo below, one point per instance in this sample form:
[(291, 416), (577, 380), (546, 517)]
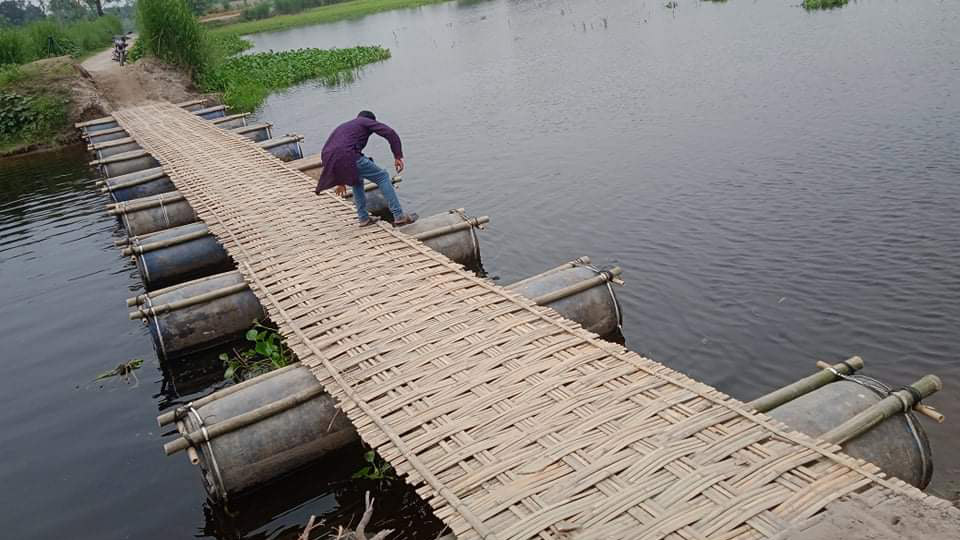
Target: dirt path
[(119, 86), (134, 84)]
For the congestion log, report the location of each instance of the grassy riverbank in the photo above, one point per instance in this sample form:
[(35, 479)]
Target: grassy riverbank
[(39, 101), (324, 14)]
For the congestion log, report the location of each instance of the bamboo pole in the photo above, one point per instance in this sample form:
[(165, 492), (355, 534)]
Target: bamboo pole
[(187, 302), (242, 420), (191, 452), (132, 154), (134, 206), (252, 127), (110, 144), (130, 183), (153, 246), (602, 277), (580, 261), (286, 139), (142, 298), (229, 117), (178, 413), (808, 384), (898, 401), (447, 229)]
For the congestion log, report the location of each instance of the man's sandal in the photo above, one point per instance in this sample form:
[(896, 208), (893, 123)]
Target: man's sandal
[(407, 219), (369, 221)]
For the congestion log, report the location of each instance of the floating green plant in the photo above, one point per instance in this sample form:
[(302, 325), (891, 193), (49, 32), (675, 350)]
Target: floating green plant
[(823, 4), (267, 354), (246, 80)]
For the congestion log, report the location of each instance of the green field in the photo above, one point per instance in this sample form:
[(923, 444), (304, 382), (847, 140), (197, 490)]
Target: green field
[(324, 14)]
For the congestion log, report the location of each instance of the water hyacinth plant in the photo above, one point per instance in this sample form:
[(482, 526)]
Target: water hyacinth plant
[(246, 80), (823, 4)]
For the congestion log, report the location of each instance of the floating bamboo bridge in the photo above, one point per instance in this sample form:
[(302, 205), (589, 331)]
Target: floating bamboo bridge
[(511, 421)]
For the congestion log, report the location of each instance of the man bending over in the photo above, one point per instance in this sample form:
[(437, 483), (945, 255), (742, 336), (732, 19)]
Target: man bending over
[(345, 165)]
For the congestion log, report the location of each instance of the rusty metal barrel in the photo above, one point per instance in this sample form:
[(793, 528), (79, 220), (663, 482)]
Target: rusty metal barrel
[(250, 433), (898, 445), (154, 213), (177, 254), (577, 291), (198, 314)]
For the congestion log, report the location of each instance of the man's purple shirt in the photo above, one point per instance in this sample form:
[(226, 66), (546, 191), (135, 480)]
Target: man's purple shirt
[(345, 146)]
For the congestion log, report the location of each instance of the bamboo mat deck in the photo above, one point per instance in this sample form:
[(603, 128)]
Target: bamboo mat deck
[(511, 421)]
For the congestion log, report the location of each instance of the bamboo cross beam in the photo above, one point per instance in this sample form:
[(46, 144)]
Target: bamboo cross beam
[(826, 375)]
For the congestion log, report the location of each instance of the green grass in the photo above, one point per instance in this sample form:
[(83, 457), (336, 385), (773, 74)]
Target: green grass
[(247, 80), (324, 14), (47, 38), (823, 4)]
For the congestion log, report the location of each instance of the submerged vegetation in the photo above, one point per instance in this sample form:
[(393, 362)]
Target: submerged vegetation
[(823, 4), (169, 31), (48, 37)]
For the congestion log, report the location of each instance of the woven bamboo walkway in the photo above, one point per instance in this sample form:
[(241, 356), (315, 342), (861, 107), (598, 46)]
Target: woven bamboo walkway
[(511, 421)]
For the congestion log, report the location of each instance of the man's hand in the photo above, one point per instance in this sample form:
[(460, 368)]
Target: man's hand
[(340, 190), (398, 163)]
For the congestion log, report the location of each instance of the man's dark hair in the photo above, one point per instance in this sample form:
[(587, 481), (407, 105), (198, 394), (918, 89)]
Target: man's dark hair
[(368, 114)]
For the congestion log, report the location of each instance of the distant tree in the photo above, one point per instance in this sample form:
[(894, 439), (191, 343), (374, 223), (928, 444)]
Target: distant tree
[(97, 6), (19, 12), (68, 10)]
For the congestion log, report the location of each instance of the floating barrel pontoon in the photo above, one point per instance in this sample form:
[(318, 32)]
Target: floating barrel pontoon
[(231, 121), (211, 113), (897, 444), (263, 428), (177, 254), (198, 314), (255, 132), (451, 233), (137, 185), (579, 292), (311, 166), (287, 148), (154, 213)]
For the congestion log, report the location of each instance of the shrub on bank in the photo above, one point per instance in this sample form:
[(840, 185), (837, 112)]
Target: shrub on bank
[(169, 31), (30, 117), (259, 11)]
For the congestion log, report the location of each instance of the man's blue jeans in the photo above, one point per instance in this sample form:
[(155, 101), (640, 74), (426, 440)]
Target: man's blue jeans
[(373, 172)]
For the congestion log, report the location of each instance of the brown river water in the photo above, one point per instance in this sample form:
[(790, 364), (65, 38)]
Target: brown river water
[(778, 186)]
